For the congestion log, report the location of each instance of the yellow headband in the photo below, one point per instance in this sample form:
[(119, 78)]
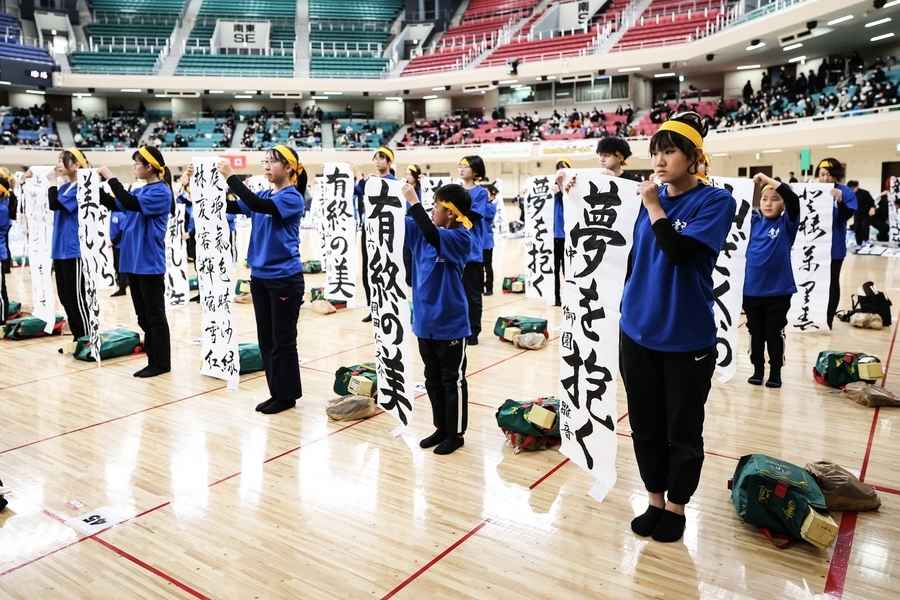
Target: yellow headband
[(4, 192), (289, 157), (824, 164), (387, 152), (684, 130), (766, 188), (79, 157), (566, 164), (457, 213), (463, 162), (151, 161), (415, 170)]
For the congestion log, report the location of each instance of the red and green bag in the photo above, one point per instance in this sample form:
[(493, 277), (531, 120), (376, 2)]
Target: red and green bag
[(113, 343), (525, 324), (343, 374), (24, 328), (837, 369)]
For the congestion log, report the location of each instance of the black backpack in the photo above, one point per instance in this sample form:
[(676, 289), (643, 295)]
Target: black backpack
[(873, 301)]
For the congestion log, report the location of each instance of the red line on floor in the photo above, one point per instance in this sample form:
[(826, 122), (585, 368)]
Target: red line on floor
[(887, 362), (548, 474), (503, 360), (435, 560), (622, 418), (148, 567), (93, 366), (886, 490)]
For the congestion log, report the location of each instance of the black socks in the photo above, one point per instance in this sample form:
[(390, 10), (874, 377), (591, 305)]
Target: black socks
[(757, 377), (449, 445), (272, 407), (663, 525), (774, 378), (644, 524), (149, 371), (432, 440)]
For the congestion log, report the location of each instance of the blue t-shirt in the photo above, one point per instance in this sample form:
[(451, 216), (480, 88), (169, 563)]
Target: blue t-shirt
[(274, 250), (5, 226), (117, 221), (188, 211), (559, 230), (440, 308), (65, 224), (839, 222), (487, 229), (479, 197), (143, 245), (231, 221), (769, 271), (669, 307)]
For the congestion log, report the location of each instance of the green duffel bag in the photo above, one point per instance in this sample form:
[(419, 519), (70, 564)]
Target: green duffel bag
[(774, 495), (526, 324), (511, 416), (113, 343), (312, 266), (508, 283), (21, 261), (837, 369), (24, 328), (316, 293), (242, 286), (193, 283), (13, 309), (251, 358), (342, 376)]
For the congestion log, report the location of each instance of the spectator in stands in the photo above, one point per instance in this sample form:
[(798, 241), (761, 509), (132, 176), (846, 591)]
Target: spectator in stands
[(748, 91)]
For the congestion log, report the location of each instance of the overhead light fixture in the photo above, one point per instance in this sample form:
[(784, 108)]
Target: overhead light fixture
[(755, 46), (793, 47), (429, 97), (551, 77), (395, 98), (317, 97), (509, 81), (334, 93), (438, 89), (775, 151), (629, 69), (661, 75), (748, 67), (883, 36), (81, 95), (798, 59), (242, 97), (878, 22), (161, 96), (843, 19), (891, 3), (719, 155), (251, 92), (130, 90), (216, 91), (5, 82), (835, 146), (36, 92)]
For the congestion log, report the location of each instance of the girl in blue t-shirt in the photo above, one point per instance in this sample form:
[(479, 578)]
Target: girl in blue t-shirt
[(441, 245), (831, 170), (276, 273), (769, 278), (472, 171), (66, 247), (142, 250), (487, 237), (559, 232), (7, 214), (667, 346)]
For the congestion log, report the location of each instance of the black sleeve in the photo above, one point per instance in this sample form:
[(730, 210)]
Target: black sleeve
[(53, 198), (429, 229), (13, 206), (791, 201), (127, 200), (233, 208), (253, 202), (107, 200), (677, 248)]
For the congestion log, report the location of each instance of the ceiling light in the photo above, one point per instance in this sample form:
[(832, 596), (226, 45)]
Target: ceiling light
[(551, 77), (429, 97), (798, 59), (840, 20), (81, 95), (395, 98), (130, 90), (629, 69), (775, 151), (334, 93), (841, 146), (242, 97), (891, 3), (755, 46), (661, 75), (5, 83), (316, 97), (161, 96), (878, 22), (438, 89), (36, 92), (216, 91), (793, 47), (883, 36), (748, 67), (719, 155), (509, 81), (252, 92)]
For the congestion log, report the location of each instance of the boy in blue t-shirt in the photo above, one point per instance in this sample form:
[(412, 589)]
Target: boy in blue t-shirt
[(769, 279), (440, 247)]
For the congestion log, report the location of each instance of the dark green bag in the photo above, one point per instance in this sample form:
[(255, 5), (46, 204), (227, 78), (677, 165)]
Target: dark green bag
[(316, 294), (342, 376), (508, 283), (837, 369), (312, 266), (113, 343), (774, 495), (13, 309), (193, 284), (242, 286), (251, 358), (526, 324), (30, 327), (511, 417)]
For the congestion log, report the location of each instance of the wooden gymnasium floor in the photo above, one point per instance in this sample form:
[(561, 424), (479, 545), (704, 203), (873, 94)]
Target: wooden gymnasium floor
[(221, 502)]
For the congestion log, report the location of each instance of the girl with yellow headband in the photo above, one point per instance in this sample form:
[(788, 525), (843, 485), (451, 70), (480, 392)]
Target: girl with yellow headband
[(667, 340), (66, 247), (472, 171), (769, 277), (276, 272), (383, 161), (7, 214), (142, 249), (440, 246), (831, 170)]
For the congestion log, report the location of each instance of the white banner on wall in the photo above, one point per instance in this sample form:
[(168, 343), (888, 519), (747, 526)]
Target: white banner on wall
[(539, 278), (40, 238), (600, 213), (340, 233), (811, 258), (219, 341), (385, 223)]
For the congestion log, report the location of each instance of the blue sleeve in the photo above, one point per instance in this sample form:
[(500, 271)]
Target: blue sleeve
[(230, 218), (154, 199), (479, 200), (413, 233), (490, 211), (456, 244), (288, 201), (849, 198), (69, 199), (711, 224)]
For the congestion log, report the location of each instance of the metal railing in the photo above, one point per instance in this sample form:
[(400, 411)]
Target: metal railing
[(326, 48), (364, 26)]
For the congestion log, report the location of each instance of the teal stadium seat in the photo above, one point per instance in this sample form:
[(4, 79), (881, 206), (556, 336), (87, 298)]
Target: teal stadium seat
[(345, 37)]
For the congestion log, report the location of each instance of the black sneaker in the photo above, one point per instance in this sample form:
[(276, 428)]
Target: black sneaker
[(432, 440), (449, 445), (472, 340), (774, 378), (757, 377), (119, 292), (367, 318)]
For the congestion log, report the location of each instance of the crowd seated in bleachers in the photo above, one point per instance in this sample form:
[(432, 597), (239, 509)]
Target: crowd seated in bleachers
[(302, 130), (28, 127), (362, 133), (205, 132), (119, 131)]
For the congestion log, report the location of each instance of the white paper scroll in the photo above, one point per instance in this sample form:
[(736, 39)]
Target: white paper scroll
[(40, 236), (177, 287), (97, 269), (728, 276), (219, 342), (539, 281), (600, 213), (429, 184), (385, 223), (340, 233), (893, 211), (811, 258), (501, 222), (318, 217)]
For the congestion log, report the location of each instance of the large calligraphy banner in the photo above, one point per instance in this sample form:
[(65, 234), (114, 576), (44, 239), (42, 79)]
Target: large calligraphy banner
[(97, 268), (430, 184), (177, 287), (811, 258), (539, 240), (340, 233), (728, 276), (40, 235), (385, 223), (893, 198), (600, 213), (214, 272)]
